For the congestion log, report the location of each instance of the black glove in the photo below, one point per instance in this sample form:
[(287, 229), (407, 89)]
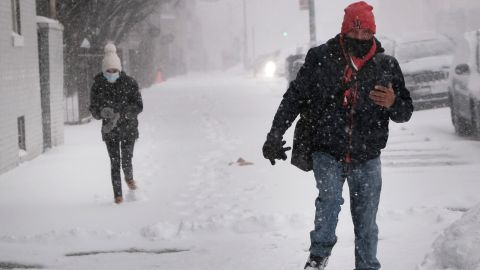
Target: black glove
[(273, 149)]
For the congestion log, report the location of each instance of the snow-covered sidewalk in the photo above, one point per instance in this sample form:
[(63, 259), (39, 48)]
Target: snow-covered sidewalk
[(197, 208)]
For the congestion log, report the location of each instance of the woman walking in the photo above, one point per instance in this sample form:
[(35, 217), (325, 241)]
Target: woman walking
[(115, 99)]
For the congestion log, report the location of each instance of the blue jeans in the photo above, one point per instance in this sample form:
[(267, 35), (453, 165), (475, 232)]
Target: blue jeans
[(365, 183)]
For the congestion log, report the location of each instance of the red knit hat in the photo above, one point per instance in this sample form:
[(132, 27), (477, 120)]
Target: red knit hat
[(358, 15)]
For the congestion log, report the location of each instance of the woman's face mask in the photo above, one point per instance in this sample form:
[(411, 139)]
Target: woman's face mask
[(111, 77), (358, 47)]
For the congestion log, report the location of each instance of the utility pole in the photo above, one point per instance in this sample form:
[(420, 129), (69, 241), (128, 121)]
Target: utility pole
[(53, 9), (253, 44), (245, 34), (311, 15)]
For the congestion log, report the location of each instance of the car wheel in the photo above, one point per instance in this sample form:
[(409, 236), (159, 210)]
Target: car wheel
[(475, 107), (462, 126)]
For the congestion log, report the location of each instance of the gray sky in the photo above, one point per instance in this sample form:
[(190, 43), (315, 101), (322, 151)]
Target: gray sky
[(269, 19), (222, 21)]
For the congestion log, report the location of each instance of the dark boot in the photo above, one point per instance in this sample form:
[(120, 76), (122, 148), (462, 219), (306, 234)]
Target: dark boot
[(131, 184), (119, 200)]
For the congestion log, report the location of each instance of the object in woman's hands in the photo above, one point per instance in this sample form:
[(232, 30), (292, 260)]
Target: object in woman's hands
[(107, 113), (110, 124)]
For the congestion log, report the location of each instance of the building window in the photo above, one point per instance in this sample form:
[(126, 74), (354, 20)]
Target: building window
[(16, 19), (21, 133)]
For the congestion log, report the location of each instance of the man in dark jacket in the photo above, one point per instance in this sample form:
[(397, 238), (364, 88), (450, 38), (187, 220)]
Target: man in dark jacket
[(116, 100), (345, 94)]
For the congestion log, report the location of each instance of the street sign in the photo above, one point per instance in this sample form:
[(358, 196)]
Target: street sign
[(303, 4)]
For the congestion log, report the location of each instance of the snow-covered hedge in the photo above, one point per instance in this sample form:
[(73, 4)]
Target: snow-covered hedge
[(458, 248)]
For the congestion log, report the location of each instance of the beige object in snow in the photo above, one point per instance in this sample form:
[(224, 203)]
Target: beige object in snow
[(241, 162)]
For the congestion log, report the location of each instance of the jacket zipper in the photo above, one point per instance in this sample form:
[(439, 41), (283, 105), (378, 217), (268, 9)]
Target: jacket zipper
[(347, 157)]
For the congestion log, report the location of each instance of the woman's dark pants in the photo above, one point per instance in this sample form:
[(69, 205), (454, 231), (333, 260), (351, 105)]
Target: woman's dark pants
[(121, 154)]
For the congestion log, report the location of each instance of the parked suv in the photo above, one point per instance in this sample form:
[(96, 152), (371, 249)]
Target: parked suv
[(464, 85), (293, 63), (425, 61)]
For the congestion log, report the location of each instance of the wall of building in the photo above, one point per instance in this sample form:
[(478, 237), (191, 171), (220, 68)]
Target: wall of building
[(19, 86), (51, 32)]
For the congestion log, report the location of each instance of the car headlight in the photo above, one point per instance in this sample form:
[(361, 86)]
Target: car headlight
[(270, 69)]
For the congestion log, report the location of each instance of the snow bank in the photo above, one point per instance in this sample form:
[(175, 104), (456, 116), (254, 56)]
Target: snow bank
[(458, 247), (160, 231)]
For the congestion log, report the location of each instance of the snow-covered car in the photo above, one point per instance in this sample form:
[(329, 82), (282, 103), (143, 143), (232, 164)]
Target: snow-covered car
[(464, 85), (293, 63), (425, 61)]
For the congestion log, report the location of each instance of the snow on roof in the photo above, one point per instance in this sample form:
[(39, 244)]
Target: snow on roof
[(49, 21), (46, 20), (419, 36), (428, 63)]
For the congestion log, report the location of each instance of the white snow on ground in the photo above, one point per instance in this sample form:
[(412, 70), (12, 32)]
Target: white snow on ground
[(196, 199), (459, 246)]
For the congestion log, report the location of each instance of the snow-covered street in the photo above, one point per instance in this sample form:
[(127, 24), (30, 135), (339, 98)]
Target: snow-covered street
[(198, 208)]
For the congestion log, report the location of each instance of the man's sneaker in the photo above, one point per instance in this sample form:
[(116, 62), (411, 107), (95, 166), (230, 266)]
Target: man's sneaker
[(316, 263), (131, 184)]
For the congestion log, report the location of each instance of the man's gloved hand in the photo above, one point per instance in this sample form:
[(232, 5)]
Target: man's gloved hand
[(273, 149), (107, 113)]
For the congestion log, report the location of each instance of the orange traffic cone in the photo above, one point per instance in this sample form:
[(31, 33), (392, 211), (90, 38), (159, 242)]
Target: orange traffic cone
[(159, 78)]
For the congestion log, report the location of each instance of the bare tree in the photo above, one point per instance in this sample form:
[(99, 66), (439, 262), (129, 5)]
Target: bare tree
[(100, 21), (97, 21)]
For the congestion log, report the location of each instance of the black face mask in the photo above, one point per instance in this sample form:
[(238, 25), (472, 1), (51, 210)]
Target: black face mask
[(357, 47)]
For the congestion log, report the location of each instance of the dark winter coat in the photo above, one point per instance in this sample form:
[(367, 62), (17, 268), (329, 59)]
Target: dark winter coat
[(316, 95), (124, 98)]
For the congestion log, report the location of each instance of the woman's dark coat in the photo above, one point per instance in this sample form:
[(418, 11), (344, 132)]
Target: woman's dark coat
[(124, 98)]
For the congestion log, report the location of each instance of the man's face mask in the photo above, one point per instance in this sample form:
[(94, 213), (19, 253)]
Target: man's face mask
[(111, 77), (357, 47)]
